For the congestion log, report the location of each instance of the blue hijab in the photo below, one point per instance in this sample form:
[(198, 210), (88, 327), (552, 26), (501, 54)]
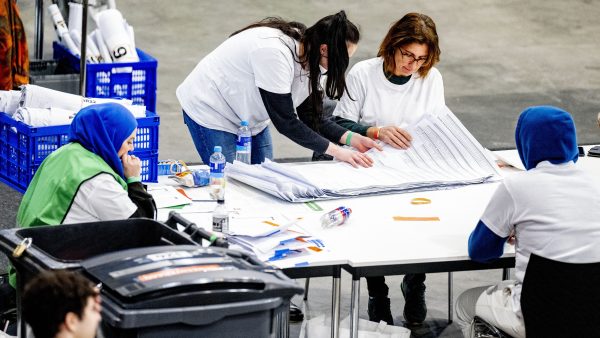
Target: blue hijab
[(546, 133), (102, 129)]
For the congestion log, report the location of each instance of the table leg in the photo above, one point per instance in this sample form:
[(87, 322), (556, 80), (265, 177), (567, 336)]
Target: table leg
[(450, 298), (335, 304), (506, 274), (354, 307)]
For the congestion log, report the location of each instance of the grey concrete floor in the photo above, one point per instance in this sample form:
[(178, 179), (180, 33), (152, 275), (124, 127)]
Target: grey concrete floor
[(498, 57)]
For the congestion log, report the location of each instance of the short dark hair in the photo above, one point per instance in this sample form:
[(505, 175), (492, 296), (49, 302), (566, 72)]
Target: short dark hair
[(48, 298), (413, 27)]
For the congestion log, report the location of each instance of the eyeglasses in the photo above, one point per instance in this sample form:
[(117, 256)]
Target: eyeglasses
[(411, 57)]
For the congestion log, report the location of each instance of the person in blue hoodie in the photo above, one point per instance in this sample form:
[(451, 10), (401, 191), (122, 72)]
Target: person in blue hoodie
[(551, 210)]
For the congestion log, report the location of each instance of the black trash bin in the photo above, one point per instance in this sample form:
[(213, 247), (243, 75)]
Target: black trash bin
[(65, 246), (190, 291)]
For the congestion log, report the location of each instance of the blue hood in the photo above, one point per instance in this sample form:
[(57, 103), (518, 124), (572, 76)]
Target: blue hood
[(102, 129), (546, 133)]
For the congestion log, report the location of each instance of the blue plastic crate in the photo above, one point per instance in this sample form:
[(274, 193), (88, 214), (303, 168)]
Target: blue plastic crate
[(23, 148), (130, 80)]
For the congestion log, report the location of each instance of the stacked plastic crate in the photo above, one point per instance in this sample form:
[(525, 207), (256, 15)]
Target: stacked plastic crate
[(23, 148)]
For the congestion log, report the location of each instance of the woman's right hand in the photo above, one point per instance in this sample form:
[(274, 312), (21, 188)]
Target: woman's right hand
[(395, 136), (355, 158), (132, 166)]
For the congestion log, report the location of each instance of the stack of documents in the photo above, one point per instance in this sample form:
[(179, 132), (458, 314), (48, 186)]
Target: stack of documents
[(443, 155), (273, 239)]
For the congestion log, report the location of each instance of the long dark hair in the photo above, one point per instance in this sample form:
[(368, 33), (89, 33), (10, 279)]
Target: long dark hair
[(293, 29), (335, 31)]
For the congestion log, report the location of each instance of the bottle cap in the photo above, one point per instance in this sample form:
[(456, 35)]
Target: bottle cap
[(244, 123), (217, 149)]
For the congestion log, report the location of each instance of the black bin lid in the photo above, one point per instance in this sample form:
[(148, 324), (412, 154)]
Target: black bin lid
[(168, 276)]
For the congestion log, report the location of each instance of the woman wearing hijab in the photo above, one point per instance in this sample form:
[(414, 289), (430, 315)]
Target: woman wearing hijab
[(551, 210), (92, 178)]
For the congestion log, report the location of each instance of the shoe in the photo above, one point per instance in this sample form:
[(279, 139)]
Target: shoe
[(379, 309), (296, 314), (415, 309)]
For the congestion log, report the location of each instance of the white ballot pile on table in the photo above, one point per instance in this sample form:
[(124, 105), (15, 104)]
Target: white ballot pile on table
[(443, 155), (273, 239)]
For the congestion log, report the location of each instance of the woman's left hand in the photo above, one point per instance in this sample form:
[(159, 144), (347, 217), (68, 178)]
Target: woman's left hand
[(363, 144)]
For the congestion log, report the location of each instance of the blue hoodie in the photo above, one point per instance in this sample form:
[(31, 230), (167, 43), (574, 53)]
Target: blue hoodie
[(543, 133)]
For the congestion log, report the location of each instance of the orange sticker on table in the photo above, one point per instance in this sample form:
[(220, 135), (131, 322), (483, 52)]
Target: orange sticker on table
[(178, 271), (410, 218), (420, 200)]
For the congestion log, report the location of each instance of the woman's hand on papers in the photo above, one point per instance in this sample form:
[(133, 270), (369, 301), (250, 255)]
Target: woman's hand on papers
[(395, 136), (363, 144), (355, 158), (132, 166)]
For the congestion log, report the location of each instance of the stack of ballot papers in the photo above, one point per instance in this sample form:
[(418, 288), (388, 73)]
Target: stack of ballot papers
[(443, 155), (273, 239)]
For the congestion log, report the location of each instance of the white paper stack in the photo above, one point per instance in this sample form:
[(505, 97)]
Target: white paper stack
[(443, 155), (273, 239)]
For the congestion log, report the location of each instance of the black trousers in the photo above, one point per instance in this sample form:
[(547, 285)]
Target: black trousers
[(378, 288)]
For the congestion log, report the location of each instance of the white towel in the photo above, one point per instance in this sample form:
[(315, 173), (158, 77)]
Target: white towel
[(43, 117), (89, 54), (9, 101), (75, 16), (93, 48), (116, 36), (33, 96), (137, 110), (61, 29), (97, 36)]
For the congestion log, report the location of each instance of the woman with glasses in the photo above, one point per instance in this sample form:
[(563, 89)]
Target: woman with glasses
[(385, 95), (260, 74)]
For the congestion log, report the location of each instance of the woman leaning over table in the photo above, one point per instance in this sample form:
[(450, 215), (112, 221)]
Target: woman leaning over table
[(260, 74), (385, 95)]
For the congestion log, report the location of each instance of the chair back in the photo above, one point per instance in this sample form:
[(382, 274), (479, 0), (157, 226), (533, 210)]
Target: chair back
[(561, 299)]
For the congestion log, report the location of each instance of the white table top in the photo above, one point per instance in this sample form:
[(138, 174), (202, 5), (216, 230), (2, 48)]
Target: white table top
[(371, 237)]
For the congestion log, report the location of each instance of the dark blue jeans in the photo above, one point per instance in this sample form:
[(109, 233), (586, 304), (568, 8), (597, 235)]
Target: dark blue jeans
[(206, 139)]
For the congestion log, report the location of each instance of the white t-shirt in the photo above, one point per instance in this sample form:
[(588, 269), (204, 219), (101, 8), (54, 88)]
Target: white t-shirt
[(378, 102), (223, 88), (555, 211), (100, 198)]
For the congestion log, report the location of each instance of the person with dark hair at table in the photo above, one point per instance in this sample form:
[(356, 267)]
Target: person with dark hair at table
[(261, 74), (385, 95), (61, 304)]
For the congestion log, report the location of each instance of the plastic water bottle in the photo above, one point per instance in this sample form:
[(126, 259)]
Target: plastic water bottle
[(244, 143), (335, 217), (220, 218), (217, 174)]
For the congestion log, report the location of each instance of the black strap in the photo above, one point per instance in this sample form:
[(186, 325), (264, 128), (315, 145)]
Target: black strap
[(142, 199)]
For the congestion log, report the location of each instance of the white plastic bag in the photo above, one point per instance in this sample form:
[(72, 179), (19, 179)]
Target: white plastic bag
[(320, 327)]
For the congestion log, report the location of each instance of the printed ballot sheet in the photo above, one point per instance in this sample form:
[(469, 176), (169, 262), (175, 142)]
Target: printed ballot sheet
[(443, 155)]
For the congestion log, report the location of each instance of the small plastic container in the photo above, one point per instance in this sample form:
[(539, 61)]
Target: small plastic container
[(335, 217)]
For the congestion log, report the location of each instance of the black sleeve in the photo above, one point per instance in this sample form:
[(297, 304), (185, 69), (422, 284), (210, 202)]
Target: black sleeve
[(328, 128), (351, 125), (280, 108), (144, 201)]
